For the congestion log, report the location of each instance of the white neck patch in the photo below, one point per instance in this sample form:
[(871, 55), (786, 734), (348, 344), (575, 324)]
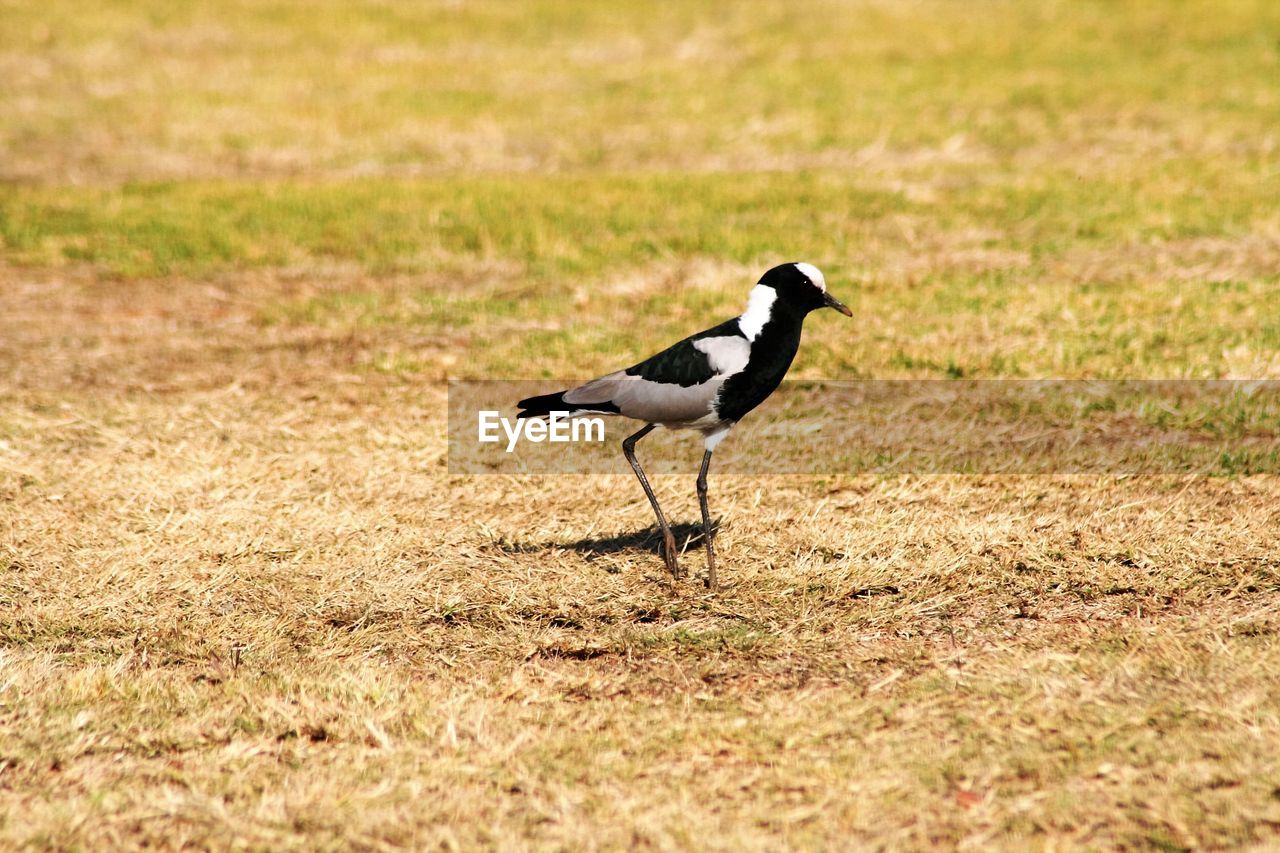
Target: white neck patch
[(759, 309), (814, 275)]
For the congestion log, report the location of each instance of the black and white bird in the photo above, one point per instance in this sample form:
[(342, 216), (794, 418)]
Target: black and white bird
[(706, 382)]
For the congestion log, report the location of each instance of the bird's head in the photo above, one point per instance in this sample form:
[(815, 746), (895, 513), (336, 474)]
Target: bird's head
[(802, 288)]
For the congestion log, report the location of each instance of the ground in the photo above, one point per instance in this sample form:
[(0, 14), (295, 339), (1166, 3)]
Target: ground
[(244, 602)]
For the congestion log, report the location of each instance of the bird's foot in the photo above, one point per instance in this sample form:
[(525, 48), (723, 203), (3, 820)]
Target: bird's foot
[(673, 566), (670, 554), (710, 579)]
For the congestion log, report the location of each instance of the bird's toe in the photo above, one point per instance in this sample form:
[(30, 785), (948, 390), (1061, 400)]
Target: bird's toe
[(670, 555)]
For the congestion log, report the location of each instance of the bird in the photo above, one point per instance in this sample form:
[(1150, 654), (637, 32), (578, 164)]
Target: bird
[(707, 382)]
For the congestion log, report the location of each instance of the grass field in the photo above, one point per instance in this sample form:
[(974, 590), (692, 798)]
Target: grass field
[(244, 603)]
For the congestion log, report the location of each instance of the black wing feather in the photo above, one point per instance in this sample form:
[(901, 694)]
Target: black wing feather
[(545, 404), (682, 363)]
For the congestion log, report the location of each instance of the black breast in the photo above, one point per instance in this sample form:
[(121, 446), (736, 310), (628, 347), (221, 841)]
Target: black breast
[(771, 355)]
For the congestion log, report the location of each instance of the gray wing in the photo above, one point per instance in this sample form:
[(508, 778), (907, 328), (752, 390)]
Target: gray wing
[(676, 387), (646, 400)]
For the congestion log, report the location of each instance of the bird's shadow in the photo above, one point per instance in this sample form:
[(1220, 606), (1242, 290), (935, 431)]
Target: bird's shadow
[(648, 540)]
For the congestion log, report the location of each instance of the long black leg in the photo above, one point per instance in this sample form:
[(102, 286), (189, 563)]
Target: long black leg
[(668, 539), (707, 533)]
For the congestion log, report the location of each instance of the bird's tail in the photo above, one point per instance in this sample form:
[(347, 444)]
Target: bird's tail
[(544, 404)]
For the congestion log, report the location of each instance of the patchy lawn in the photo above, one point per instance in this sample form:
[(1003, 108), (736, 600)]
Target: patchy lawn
[(243, 602)]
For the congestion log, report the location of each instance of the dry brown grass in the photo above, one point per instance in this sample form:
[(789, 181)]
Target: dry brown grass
[(244, 603)]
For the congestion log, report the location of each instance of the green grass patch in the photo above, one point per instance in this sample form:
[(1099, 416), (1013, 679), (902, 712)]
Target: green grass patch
[(584, 226)]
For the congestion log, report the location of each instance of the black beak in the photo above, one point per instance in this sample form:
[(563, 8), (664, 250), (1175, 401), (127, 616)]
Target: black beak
[(831, 302)]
